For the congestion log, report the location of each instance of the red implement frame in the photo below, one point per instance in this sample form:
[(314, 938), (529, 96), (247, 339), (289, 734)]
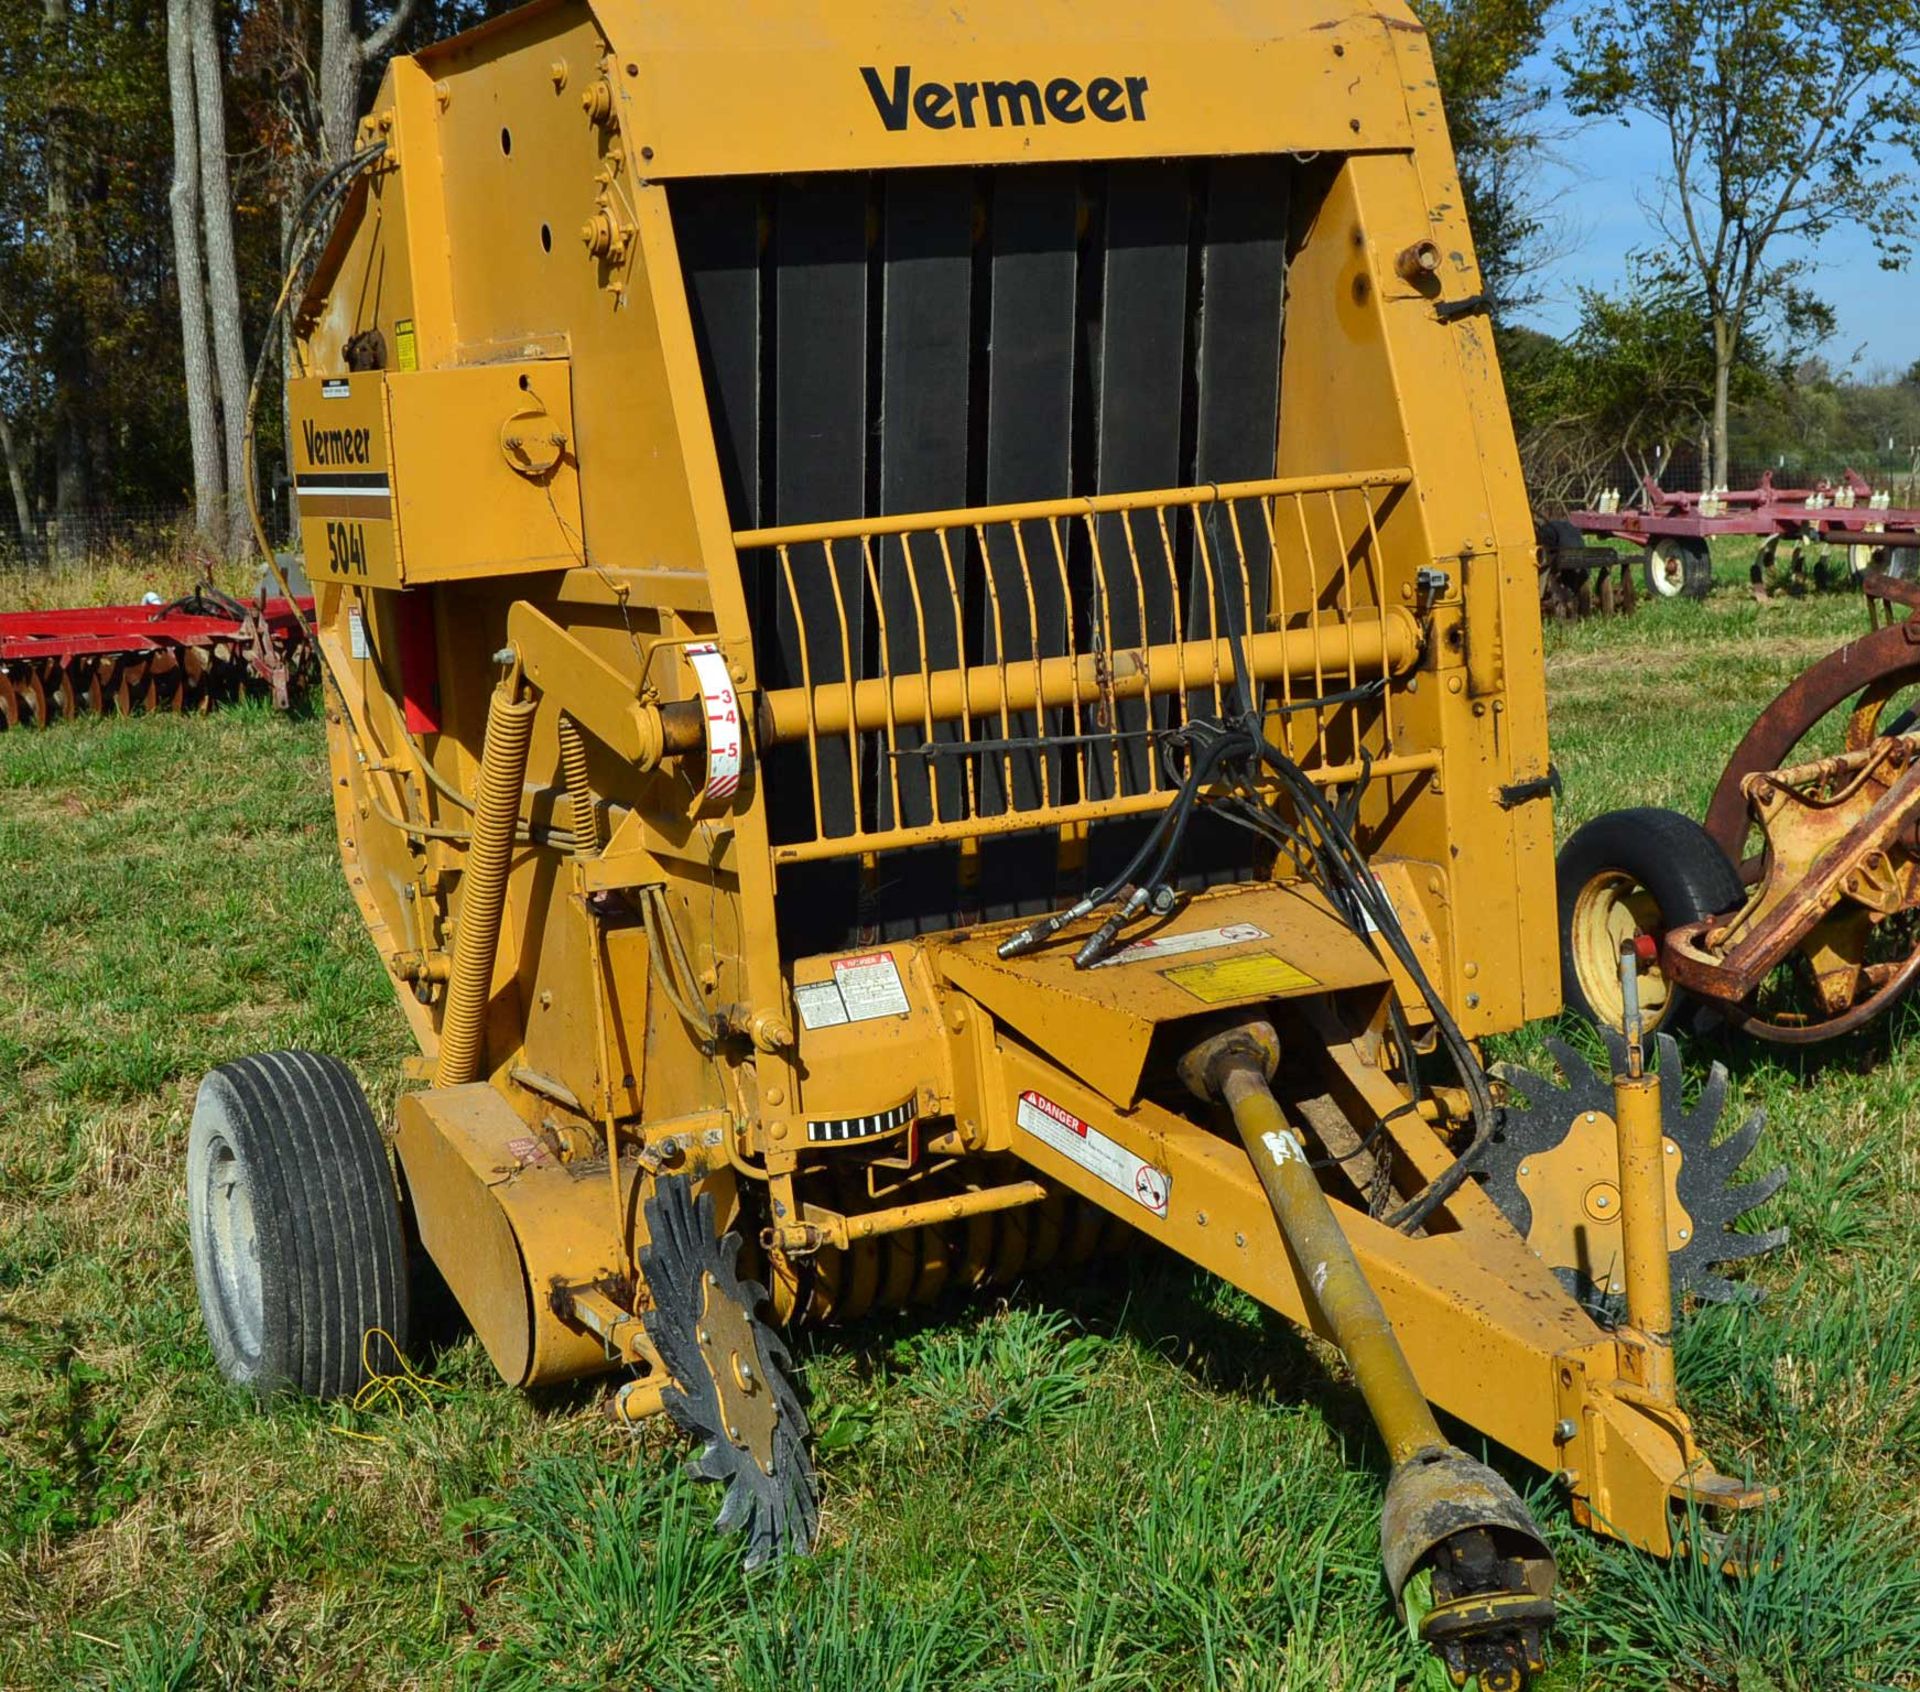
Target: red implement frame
[(181, 656)]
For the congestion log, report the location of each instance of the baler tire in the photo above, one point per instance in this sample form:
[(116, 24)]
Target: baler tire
[(1672, 864), (294, 1220)]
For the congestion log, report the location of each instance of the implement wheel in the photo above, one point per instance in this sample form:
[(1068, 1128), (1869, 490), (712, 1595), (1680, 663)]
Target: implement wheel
[(1628, 878), (1869, 688), (295, 1226), (1679, 569)]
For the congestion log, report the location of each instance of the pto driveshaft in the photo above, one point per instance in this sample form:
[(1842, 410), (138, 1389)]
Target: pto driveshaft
[(1492, 1575)]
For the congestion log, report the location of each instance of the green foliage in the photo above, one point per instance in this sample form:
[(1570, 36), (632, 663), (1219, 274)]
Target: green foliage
[(83, 124), (1829, 1602), (1785, 120), (1480, 54)]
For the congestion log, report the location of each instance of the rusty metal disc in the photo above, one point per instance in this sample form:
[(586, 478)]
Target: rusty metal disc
[(1868, 673), (166, 682), (83, 677), (58, 686), (129, 685), (1862, 680), (32, 694)]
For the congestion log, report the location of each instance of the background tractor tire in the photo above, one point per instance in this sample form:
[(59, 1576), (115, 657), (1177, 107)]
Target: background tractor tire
[(294, 1220), (1679, 569), (1638, 871)]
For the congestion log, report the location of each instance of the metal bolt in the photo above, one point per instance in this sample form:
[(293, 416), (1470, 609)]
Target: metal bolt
[(1563, 1431), (1601, 1201), (1240, 1240), (746, 1374), (733, 1433), (1672, 1149), (1686, 1233), (706, 1336), (1526, 1169), (1593, 1116)]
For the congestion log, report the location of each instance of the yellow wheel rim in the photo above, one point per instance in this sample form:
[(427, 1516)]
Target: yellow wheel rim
[(1611, 910)]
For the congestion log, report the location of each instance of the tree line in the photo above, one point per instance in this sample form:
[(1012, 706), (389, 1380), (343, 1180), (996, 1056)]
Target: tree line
[(153, 154)]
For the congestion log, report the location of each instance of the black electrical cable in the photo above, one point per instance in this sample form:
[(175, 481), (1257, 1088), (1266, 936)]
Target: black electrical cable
[(1344, 871)]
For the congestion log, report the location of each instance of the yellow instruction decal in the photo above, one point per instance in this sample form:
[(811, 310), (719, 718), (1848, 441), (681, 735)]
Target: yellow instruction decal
[(406, 349), (1252, 975)]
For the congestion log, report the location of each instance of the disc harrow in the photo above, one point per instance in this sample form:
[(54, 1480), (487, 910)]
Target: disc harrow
[(199, 651)]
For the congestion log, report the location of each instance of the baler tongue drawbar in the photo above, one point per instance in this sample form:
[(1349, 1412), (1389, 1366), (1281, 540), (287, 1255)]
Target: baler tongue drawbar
[(1492, 1573)]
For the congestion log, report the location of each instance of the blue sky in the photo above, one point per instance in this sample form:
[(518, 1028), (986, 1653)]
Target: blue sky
[(1593, 182)]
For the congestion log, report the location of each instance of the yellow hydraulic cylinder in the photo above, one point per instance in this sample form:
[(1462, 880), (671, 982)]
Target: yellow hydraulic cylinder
[(496, 815), (1643, 1229), (1648, 1329)]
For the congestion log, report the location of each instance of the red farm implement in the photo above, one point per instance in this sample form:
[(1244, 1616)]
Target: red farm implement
[(204, 649), (1827, 534)]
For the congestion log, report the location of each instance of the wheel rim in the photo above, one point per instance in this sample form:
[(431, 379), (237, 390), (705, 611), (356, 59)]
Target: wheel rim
[(1609, 912), (1669, 572), (232, 1248)]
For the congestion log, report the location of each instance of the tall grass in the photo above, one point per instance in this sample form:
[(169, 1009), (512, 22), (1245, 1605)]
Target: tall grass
[(1131, 1478)]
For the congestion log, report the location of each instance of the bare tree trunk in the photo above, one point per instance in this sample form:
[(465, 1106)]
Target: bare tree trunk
[(17, 480), (67, 337), (343, 56), (223, 283), (1725, 346), (203, 433), (287, 512), (339, 80)]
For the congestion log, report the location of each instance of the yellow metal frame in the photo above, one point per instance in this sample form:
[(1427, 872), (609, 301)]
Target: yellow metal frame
[(629, 1006)]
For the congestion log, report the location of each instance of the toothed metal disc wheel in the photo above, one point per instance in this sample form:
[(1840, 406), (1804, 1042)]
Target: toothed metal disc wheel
[(1553, 1169), (732, 1376)]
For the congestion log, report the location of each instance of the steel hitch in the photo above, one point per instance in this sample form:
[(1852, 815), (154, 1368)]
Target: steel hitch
[(1492, 1575)]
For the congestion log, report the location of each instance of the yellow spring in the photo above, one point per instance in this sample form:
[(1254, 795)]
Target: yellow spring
[(483, 891), (588, 834)]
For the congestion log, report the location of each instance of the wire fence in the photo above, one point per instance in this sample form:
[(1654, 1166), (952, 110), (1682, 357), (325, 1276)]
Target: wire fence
[(127, 534)]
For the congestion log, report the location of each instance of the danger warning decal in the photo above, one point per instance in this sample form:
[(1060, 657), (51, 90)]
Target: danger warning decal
[(1082, 1142), (1172, 945), (862, 988), (723, 720)]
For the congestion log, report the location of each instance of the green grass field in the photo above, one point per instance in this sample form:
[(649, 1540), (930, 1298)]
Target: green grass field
[(1136, 1479)]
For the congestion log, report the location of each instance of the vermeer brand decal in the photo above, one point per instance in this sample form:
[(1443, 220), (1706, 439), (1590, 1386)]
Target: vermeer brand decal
[(337, 446), (1010, 103)]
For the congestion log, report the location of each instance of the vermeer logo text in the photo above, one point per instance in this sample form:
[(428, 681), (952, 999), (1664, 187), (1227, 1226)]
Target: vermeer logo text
[(998, 104)]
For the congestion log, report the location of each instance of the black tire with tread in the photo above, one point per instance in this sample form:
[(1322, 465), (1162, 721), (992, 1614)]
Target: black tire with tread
[(1696, 565), (1685, 873), (328, 1256)]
